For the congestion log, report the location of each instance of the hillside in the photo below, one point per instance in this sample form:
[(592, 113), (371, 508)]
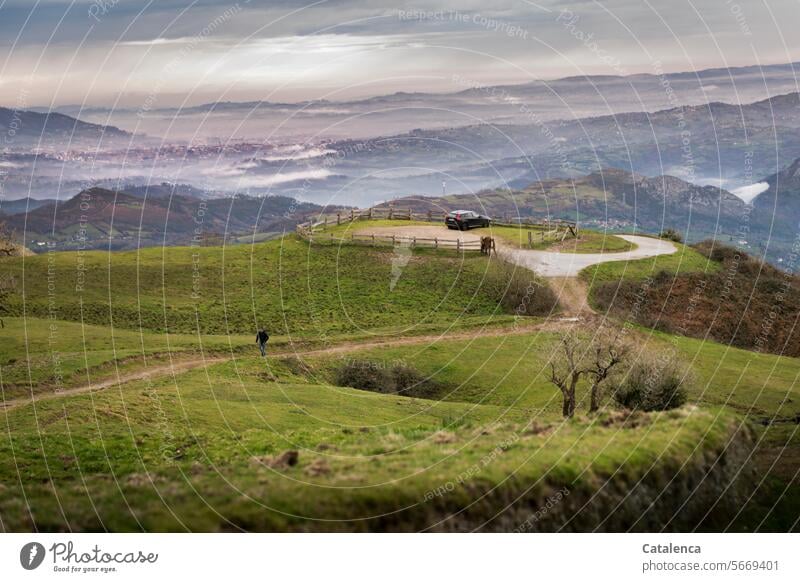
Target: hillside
[(188, 407), (739, 301), (100, 218), (777, 209), (32, 129), (617, 200), (612, 198), (22, 205), (278, 283)]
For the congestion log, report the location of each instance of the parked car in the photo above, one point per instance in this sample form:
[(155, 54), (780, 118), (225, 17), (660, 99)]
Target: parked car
[(466, 219)]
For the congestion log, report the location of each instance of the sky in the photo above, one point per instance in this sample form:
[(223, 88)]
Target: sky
[(133, 53)]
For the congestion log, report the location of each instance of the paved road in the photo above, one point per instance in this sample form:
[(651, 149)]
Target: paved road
[(550, 264)]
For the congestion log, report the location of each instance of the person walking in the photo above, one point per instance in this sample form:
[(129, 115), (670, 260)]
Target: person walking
[(261, 339)]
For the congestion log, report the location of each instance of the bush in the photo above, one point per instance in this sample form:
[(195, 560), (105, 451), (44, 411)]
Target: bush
[(365, 375), (518, 290), (671, 234), (396, 379), (653, 385), (720, 253)]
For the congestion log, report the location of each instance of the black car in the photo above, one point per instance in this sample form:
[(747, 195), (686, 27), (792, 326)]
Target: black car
[(466, 219)]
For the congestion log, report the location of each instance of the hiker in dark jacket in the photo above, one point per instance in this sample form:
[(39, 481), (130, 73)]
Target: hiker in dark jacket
[(261, 339)]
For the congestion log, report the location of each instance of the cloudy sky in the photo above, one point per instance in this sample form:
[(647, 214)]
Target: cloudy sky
[(124, 52)]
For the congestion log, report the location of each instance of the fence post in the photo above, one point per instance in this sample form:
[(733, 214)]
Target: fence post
[(430, 217), (370, 213), (394, 240), (436, 242), (351, 215), (530, 239), (458, 245), (338, 218), (373, 240), (391, 211), (414, 243)]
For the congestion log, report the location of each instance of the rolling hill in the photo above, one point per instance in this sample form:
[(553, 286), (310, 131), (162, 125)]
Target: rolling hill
[(33, 129), (615, 199), (101, 218), (610, 198), (276, 445)]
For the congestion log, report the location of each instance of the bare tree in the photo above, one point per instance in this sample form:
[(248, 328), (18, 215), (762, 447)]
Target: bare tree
[(567, 375), (604, 359)]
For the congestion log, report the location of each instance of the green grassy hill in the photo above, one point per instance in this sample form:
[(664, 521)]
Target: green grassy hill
[(209, 448), (283, 284), (204, 453)]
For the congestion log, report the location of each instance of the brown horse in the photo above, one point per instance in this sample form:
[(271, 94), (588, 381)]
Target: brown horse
[(487, 245)]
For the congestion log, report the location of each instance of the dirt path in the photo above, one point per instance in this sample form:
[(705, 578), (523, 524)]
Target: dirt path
[(573, 296), (156, 371), (544, 263), (549, 264), (180, 366), (561, 268)]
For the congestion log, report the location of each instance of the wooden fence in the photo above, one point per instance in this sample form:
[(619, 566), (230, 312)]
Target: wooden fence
[(375, 240), (316, 231)]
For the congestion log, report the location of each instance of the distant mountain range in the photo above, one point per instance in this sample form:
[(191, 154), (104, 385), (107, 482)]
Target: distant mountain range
[(23, 205), (720, 144), (100, 218), (469, 102), (24, 129), (618, 200)]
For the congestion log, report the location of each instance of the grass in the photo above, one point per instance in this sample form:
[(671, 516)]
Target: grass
[(685, 260), (194, 451), (287, 285), (38, 354), (587, 241), (161, 456), (512, 372)]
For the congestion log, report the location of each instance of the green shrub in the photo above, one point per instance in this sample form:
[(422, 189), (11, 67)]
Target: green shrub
[(398, 378), (518, 290), (365, 375), (671, 234), (721, 253), (651, 385)]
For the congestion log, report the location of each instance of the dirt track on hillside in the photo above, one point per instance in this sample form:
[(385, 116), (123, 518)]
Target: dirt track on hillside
[(180, 366), (560, 268)]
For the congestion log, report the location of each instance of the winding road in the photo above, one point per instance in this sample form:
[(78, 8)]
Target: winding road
[(549, 264), (544, 263)]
